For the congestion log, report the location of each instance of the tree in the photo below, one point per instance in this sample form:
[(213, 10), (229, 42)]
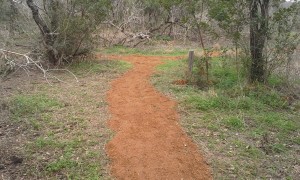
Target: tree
[(261, 19), (67, 26)]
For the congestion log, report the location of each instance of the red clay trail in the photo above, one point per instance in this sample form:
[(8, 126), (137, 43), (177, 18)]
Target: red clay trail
[(149, 142)]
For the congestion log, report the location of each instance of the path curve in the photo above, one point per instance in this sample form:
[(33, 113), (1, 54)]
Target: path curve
[(149, 142)]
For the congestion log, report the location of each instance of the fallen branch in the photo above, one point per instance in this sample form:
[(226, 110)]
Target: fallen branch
[(130, 36), (29, 62)]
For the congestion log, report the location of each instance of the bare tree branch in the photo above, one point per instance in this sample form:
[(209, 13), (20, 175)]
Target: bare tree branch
[(28, 64)]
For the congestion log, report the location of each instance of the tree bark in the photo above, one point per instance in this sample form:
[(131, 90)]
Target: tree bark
[(259, 10), (48, 37)]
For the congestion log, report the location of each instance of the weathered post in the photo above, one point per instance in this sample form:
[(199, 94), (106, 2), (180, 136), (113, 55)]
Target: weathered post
[(191, 63)]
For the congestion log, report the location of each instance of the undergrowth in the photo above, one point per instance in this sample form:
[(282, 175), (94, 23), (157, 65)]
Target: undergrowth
[(251, 131)]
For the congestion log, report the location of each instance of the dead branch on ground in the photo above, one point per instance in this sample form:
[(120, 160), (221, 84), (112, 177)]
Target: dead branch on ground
[(15, 64), (129, 36)]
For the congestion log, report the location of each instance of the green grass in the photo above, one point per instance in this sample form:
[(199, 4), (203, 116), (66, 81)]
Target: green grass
[(99, 66), (275, 81), (27, 105), (234, 122), (157, 52), (169, 64), (252, 131), (33, 109)]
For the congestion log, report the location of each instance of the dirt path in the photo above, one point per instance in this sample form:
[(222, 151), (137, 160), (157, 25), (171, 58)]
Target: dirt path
[(149, 142)]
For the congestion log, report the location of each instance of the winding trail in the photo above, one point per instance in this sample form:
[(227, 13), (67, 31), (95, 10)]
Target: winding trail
[(149, 142)]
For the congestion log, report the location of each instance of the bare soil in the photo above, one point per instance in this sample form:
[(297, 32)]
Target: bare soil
[(149, 143)]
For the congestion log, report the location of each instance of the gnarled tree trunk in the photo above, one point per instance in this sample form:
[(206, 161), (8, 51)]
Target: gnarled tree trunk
[(48, 36)]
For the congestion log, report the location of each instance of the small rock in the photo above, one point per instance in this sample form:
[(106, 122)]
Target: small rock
[(2, 166)]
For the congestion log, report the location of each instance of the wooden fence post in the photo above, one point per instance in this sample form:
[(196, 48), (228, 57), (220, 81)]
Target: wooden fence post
[(191, 63)]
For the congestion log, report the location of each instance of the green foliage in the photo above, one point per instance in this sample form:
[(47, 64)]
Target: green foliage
[(230, 16)]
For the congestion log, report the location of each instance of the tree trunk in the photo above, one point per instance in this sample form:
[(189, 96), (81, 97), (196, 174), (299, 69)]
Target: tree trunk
[(259, 10), (48, 37)]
